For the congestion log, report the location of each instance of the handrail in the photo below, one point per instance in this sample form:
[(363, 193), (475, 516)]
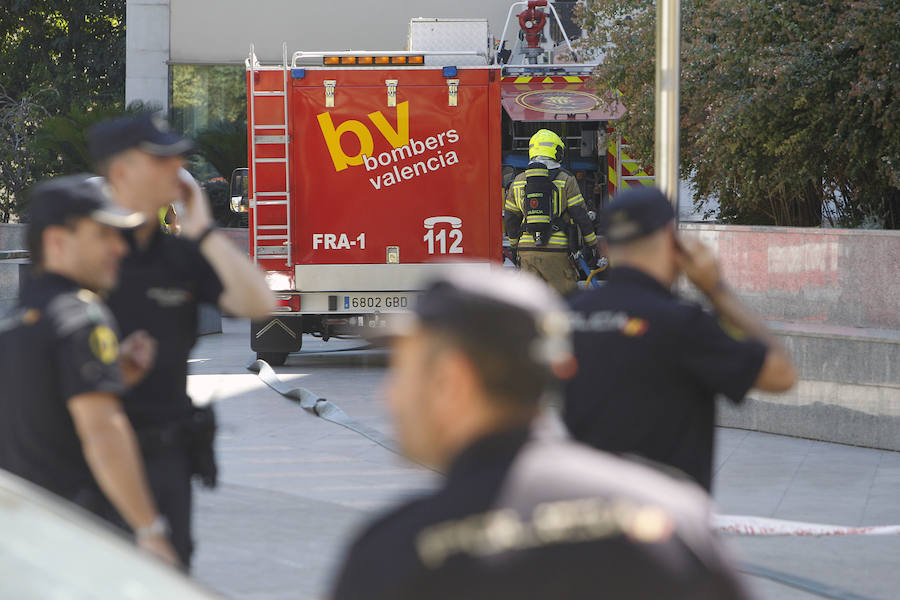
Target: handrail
[(252, 64), (569, 68), (287, 159)]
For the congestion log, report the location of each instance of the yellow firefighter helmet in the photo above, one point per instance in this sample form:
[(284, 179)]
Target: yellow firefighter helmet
[(546, 143)]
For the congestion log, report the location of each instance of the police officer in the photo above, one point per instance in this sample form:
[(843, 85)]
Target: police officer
[(523, 512), (651, 364), (164, 277), (541, 203), (62, 424)]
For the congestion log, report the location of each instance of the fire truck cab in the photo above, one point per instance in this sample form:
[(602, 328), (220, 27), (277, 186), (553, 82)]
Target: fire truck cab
[(372, 172)]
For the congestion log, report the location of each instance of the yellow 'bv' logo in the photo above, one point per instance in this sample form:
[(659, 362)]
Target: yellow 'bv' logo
[(395, 137)]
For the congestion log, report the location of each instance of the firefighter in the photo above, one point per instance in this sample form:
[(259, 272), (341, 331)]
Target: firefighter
[(541, 205), (64, 371), (652, 364), (523, 512), (163, 279)]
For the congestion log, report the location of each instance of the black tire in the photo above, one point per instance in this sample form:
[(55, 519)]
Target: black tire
[(275, 359)]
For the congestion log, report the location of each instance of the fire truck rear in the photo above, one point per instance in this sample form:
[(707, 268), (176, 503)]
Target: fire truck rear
[(371, 172), (366, 169)]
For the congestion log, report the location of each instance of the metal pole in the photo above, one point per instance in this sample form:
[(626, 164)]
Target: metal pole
[(668, 66)]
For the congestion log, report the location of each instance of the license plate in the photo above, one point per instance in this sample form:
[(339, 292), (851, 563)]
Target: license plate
[(378, 302)]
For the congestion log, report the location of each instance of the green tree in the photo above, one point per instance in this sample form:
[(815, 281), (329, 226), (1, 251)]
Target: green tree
[(60, 144), (19, 120), (56, 58), (76, 48), (786, 106)]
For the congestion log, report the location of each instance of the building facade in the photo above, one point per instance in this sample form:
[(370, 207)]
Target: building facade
[(180, 51)]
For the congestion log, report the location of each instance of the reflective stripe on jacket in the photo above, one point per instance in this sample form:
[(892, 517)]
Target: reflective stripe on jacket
[(573, 210)]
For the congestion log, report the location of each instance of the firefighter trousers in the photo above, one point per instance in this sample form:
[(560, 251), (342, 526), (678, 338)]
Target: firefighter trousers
[(551, 266)]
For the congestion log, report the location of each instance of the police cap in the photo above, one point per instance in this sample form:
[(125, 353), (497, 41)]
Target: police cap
[(56, 201), (498, 310), (147, 131), (635, 213)]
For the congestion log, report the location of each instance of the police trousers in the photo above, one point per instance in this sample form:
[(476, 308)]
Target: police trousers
[(169, 476), (551, 266)]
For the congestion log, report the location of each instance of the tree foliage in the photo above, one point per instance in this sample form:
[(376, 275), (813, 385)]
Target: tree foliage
[(786, 106), (19, 120), (76, 48), (60, 145), (61, 63)]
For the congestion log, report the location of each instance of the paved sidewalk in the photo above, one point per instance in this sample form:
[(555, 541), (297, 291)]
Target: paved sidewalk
[(294, 486)]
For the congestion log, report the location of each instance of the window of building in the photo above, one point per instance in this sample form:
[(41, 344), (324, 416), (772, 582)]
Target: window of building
[(208, 104)]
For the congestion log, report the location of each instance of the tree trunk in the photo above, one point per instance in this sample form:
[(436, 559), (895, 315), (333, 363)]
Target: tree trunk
[(892, 209)]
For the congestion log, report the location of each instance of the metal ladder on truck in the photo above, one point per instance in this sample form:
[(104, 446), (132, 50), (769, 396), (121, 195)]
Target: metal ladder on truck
[(270, 192)]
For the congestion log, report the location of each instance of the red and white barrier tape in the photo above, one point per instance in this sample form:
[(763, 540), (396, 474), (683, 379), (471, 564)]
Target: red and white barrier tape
[(743, 525)]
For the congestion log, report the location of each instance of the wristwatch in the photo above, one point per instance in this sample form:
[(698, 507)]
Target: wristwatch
[(159, 527)]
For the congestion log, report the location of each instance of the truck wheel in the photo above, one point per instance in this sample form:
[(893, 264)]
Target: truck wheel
[(275, 359)]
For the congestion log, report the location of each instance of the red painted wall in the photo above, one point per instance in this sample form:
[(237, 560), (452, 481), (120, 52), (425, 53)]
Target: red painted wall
[(838, 277)]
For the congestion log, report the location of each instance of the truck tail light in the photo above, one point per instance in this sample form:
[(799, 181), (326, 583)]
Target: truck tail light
[(332, 60), (398, 60), (416, 60), (348, 60), (382, 60), (365, 60), (287, 303)]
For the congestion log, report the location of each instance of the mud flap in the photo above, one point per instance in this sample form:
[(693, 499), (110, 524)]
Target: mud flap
[(278, 333)]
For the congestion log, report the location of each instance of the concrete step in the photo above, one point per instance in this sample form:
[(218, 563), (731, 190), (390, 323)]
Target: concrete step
[(849, 388), (12, 277)]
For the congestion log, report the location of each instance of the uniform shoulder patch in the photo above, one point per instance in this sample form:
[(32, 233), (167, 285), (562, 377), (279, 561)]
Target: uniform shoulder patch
[(104, 344)]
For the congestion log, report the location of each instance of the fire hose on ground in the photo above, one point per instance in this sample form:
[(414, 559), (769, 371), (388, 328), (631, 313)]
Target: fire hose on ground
[(727, 524)]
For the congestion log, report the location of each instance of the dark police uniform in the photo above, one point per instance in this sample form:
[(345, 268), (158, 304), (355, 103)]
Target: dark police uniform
[(159, 290), (59, 342), (650, 366), (530, 514)]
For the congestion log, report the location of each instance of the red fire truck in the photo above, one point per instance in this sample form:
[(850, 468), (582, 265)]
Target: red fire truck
[(371, 172)]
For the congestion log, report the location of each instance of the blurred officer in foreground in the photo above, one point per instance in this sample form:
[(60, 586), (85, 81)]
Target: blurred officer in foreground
[(651, 364), (61, 421), (541, 205), (524, 512), (163, 279)]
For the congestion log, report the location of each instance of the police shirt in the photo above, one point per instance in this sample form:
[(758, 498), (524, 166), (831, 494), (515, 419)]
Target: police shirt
[(649, 368), (527, 515), (59, 342), (158, 291)]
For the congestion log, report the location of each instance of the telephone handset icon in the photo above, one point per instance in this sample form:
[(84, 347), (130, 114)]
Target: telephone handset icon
[(454, 222)]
